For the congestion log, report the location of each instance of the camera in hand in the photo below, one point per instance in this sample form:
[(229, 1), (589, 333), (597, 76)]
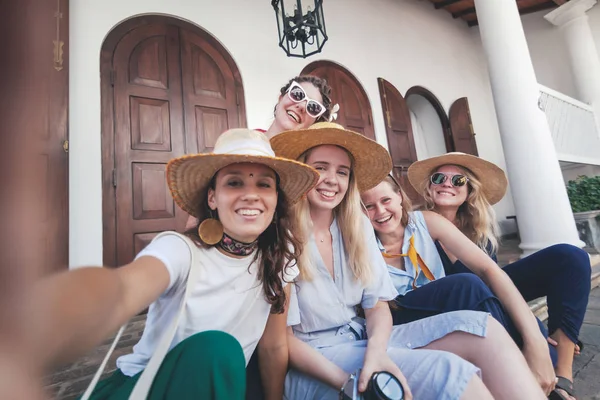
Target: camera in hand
[(382, 386)]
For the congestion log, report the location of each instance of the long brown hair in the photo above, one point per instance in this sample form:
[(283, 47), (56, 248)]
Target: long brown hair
[(278, 247)]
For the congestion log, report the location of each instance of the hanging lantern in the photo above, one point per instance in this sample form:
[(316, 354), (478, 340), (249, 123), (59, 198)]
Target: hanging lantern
[(302, 33)]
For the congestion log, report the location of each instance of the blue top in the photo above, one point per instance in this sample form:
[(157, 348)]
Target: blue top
[(457, 266), (322, 305), (403, 280)]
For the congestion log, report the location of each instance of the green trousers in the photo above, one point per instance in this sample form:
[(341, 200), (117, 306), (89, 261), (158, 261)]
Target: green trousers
[(207, 365)]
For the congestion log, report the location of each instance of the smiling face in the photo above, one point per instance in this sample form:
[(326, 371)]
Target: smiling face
[(384, 208), (245, 197), (445, 194), (290, 115), (334, 166)]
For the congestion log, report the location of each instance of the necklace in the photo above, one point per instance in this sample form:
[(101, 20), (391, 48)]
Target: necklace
[(322, 240), (235, 247)]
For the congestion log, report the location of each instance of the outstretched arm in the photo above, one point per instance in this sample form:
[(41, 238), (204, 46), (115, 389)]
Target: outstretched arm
[(76, 310)]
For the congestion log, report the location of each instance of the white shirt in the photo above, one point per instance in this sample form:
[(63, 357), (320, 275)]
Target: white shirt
[(227, 297)]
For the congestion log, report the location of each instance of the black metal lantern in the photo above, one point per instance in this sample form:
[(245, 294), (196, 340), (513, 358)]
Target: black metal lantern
[(300, 34)]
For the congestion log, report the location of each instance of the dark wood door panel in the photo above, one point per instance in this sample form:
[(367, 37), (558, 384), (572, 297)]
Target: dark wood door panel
[(355, 109), (398, 128), (211, 104), (461, 126), (172, 90)]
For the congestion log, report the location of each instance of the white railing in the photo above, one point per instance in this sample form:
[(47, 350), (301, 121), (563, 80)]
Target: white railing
[(573, 127)]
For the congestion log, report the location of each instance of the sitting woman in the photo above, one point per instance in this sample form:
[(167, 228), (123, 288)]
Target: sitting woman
[(212, 294), (463, 188), (342, 270), (406, 240)]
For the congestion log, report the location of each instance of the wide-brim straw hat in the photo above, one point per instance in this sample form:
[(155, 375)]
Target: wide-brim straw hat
[(188, 176), (492, 178), (372, 161)]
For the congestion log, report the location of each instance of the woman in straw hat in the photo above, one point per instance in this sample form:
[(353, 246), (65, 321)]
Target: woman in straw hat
[(212, 294), (341, 270), (407, 241), (463, 188)]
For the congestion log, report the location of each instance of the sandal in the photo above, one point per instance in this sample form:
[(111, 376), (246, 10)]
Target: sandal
[(563, 384)]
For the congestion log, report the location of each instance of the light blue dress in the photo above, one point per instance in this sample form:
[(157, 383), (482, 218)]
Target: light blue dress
[(323, 313), (403, 280)]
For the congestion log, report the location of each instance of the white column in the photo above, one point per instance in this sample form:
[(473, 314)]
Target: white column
[(571, 17), (542, 206)]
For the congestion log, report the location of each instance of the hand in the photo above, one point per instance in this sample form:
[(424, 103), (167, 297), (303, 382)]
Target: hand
[(554, 343), (538, 359), (380, 361)]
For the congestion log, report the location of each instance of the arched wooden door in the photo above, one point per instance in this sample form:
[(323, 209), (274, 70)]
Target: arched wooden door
[(355, 109), (400, 138), (168, 89)]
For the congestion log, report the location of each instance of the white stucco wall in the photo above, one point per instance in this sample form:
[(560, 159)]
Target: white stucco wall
[(406, 42), (549, 52)]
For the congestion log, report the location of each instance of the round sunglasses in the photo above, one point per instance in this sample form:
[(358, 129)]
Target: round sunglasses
[(437, 178), (297, 94)]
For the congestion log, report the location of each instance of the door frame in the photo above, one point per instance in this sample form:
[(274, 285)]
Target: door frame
[(439, 109), (109, 217)]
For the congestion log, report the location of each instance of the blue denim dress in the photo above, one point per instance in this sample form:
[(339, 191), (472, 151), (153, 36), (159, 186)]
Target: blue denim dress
[(323, 313)]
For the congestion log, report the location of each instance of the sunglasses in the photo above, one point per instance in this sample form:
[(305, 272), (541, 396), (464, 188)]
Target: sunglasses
[(297, 94), (458, 180)]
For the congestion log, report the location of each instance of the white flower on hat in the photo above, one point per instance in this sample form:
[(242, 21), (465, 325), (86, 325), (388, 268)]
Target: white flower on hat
[(334, 112)]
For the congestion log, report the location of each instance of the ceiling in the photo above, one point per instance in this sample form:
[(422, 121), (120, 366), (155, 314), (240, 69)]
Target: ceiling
[(465, 9)]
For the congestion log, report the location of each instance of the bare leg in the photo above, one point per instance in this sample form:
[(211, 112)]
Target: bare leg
[(504, 369), (476, 390), (565, 349)]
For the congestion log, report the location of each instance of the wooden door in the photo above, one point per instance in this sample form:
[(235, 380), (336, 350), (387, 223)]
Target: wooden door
[(174, 90), (34, 104), (463, 136), (355, 109), (400, 138)]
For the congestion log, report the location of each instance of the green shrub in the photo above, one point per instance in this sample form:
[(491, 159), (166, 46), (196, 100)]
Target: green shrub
[(584, 193)]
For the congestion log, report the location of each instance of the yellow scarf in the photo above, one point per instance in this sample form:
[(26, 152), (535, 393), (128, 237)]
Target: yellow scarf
[(416, 260)]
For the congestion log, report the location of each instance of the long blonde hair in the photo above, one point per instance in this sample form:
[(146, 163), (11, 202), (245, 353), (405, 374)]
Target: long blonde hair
[(351, 223), (475, 218)]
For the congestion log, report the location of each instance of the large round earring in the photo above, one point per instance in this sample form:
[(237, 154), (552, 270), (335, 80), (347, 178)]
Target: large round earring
[(210, 230)]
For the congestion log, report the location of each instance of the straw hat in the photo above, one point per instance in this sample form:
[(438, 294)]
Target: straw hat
[(372, 162), (492, 178), (188, 176)]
